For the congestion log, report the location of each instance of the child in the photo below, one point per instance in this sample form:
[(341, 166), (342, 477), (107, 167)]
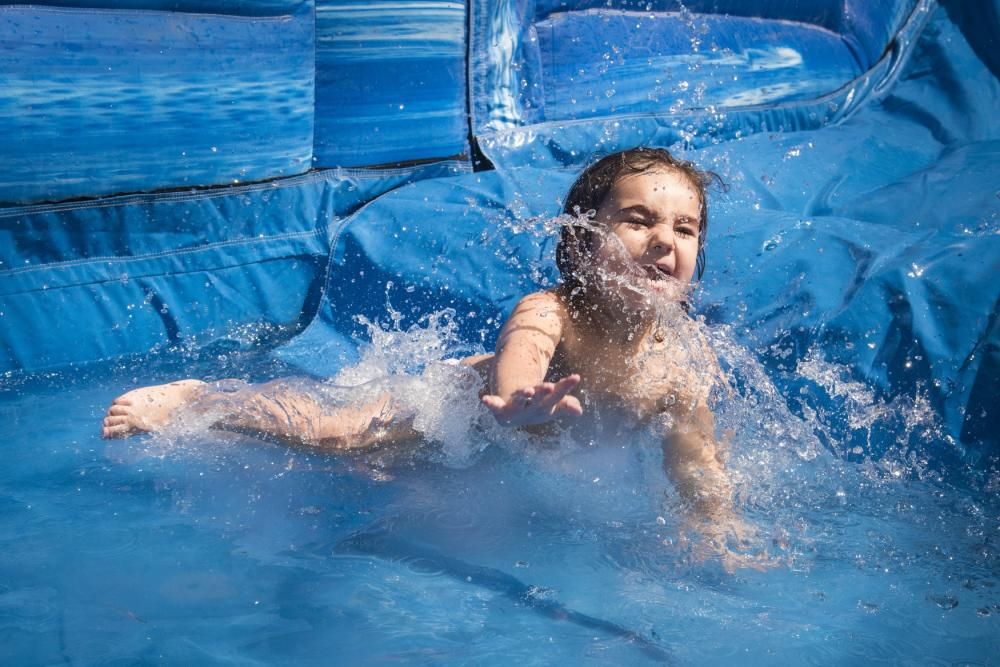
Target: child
[(613, 336)]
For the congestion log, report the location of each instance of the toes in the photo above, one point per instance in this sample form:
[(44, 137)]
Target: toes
[(111, 432)]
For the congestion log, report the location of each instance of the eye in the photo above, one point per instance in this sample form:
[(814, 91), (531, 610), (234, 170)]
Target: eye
[(636, 223), (686, 227)]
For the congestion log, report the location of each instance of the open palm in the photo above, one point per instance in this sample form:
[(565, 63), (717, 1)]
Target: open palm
[(536, 405)]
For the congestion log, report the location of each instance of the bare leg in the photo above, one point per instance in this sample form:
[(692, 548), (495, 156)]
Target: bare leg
[(279, 410), (283, 411)]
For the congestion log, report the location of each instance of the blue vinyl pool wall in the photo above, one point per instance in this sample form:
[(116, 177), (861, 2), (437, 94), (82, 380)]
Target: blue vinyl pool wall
[(175, 174)]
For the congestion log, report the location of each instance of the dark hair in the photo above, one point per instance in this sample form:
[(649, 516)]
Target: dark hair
[(592, 187)]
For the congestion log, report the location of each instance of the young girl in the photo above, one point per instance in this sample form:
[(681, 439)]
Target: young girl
[(613, 337)]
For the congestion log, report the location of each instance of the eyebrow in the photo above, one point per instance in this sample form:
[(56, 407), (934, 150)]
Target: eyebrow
[(638, 208), (646, 211)]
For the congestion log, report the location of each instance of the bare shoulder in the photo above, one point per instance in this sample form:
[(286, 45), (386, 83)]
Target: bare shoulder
[(541, 312)]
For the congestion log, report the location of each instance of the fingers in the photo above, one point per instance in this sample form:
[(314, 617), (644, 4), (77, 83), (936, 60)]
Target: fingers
[(561, 388), (119, 410), (569, 406), (494, 403), (568, 383), (537, 404), (528, 395)]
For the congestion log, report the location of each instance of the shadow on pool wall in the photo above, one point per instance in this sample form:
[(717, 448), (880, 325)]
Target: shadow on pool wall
[(860, 229)]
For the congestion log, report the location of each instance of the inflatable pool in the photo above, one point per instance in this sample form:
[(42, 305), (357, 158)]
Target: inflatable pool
[(257, 188)]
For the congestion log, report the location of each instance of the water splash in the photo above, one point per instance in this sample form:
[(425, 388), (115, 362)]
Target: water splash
[(419, 368)]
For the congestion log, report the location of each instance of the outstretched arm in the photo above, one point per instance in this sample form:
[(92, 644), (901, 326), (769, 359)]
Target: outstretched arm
[(525, 348), (692, 458)]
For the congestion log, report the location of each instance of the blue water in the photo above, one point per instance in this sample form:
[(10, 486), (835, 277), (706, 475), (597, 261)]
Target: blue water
[(212, 548)]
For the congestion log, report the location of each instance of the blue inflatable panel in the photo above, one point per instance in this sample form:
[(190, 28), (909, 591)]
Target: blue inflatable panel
[(601, 63), (423, 248), (228, 7), (98, 101), (552, 81), (100, 279), (390, 82)]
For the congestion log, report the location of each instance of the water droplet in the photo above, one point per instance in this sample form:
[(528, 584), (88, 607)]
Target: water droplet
[(868, 607), (945, 601)]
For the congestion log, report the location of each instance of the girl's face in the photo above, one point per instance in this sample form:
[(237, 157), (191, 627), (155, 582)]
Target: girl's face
[(652, 251)]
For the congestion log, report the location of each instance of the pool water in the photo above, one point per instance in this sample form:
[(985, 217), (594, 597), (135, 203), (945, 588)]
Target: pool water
[(208, 548)]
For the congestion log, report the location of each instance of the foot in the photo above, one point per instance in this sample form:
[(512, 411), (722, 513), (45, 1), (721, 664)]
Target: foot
[(149, 408)]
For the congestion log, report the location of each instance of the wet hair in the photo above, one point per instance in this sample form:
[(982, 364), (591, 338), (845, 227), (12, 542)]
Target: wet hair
[(592, 187)]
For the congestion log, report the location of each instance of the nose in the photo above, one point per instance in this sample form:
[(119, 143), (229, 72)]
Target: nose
[(662, 239)]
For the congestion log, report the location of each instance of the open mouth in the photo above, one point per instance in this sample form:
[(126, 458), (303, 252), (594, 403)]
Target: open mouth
[(657, 283), (656, 273)]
